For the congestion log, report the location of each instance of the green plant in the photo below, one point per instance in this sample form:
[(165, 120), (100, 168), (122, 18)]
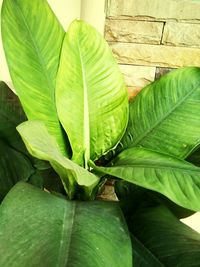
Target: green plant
[(15, 162), (79, 120)]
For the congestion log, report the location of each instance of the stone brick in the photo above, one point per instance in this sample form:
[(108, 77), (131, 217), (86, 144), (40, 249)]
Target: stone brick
[(181, 34), (181, 10), (155, 55), (133, 31), (137, 76)]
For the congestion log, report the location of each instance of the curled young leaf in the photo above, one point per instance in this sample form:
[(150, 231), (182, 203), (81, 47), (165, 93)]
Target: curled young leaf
[(42, 145)]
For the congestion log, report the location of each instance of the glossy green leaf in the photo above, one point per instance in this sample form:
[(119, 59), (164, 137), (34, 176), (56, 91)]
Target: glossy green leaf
[(32, 39), (142, 257), (176, 179), (39, 229), (14, 166), (91, 96), (169, 240), (11, 115), (42, 145), (164, 116)]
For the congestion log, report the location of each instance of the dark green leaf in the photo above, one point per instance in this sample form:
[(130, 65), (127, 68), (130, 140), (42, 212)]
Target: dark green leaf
[(52, 181), (36, 179), (142, 257), (169, 240), (164, 116), (38, 229), (14, 167), (11, 115), (194, 157), (131, 196)]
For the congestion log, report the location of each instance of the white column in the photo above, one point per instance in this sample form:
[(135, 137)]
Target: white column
[(93, 12)]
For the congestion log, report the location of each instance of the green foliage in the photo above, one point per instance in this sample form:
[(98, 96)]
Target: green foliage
[(169, 240), (15, 162), (160, 172), (79, 121), (165, 115), (38, 229), (14, 166), (90, 84), (158, 237), (32, 60), (42, 145), (11, 115), (133, 197), (142, 256)]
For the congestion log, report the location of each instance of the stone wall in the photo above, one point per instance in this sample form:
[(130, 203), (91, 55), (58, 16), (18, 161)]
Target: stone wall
[(150, 37)]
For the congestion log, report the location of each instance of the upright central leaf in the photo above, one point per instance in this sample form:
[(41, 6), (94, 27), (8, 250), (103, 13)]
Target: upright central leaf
[(32, 39), (91, 97)]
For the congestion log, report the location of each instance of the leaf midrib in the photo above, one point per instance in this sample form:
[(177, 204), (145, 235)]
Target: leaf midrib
[(153, 167), (86, 122), (66, 253), (149, 131)]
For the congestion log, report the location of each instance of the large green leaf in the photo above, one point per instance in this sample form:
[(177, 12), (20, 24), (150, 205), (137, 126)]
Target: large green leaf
[(11, 115), (91, 96), (42, 145), (38, 229), (32, 39), (174, 178), (142, 257), (169, 240), (164, 116), (14, 166)]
